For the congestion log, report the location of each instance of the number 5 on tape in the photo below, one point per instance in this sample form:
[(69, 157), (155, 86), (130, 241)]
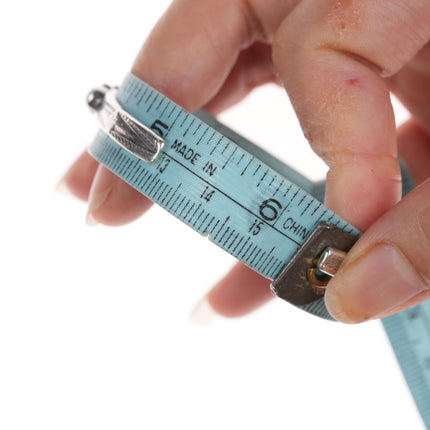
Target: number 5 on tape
[(253, 206), (246, 201)]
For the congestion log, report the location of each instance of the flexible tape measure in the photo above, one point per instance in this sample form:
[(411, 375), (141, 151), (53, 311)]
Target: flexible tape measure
[(247, 202)]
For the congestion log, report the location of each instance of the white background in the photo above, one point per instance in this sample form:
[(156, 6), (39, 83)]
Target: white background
[(94, 321)]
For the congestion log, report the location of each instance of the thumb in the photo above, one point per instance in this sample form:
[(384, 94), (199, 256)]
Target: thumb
[(388, 269)]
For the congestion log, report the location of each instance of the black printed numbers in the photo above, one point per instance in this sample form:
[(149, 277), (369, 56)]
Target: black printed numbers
[(269, 209), (207, 194), (162, 164), (160, 128), (255, 227)]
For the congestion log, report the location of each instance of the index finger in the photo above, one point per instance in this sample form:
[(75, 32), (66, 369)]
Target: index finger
[(195, 45), (188, 57)]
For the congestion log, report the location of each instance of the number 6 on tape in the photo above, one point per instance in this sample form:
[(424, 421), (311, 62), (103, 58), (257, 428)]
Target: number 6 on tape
[(246, 201), (253, 206)]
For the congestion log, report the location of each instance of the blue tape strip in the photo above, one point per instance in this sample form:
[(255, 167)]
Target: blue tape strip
[(248, 203)]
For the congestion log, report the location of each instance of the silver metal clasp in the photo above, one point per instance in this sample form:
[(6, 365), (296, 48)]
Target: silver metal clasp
[(304, 279), (330, 261), (125, 130)]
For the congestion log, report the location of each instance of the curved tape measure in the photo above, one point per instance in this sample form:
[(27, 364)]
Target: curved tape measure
[(244, 200)]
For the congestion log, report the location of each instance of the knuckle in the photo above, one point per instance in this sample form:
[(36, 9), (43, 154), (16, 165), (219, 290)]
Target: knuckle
[(381, 36), (288, 42), (255, 27), (278, 49)]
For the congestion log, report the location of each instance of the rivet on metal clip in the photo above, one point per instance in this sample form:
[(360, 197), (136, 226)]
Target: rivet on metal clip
[(304, 279)]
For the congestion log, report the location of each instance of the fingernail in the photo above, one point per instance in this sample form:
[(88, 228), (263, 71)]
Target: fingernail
[(90, 220), (63, 188), (98, 197), (373, 284), (63, 184), (203, 314)]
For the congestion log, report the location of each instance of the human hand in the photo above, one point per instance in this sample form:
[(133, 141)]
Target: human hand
[(337, 60)]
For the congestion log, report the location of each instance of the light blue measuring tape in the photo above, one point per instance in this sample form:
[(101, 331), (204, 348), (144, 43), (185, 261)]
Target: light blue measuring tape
[(247, 202)]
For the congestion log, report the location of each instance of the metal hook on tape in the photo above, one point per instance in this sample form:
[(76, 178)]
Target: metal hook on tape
[(247, 202), (125, 130), (305, 277)]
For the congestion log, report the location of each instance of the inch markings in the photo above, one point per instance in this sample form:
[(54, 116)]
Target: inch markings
[(215, 182)]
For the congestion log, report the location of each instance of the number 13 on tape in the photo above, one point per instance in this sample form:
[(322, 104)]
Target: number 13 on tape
[(244, 200)]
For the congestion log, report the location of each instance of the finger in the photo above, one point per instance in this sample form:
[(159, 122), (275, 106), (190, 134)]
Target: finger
[(79, 177), (412, 86), (189, 55), (414, 149), (389, 267), (232, 296), (241, 291), (112, 201), (333, 57), (253, 68), (207, 57)]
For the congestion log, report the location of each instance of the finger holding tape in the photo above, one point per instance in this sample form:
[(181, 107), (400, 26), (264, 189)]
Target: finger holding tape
[(240, 292), (79, 177), (414, 149), (334, 58), (112, 201), (230, 296), (388, 269), (411, 85), (253, 68), (190, 65)]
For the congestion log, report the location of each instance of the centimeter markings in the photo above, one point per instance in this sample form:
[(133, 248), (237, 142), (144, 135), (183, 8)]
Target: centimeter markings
[(187, 208), (214, 185), (250, 210), (409, 334), (244, 202)]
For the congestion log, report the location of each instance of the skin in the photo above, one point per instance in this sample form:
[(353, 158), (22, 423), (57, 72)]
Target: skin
[(338, 61)]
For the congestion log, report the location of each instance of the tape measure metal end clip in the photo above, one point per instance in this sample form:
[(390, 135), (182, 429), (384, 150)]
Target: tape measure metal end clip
[(125, 130), (304, 279)]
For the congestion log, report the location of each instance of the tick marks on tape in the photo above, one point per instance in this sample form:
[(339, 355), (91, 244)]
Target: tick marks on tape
[(269, 209)]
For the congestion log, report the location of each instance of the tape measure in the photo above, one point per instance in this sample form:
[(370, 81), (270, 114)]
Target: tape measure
[(256, 208)]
